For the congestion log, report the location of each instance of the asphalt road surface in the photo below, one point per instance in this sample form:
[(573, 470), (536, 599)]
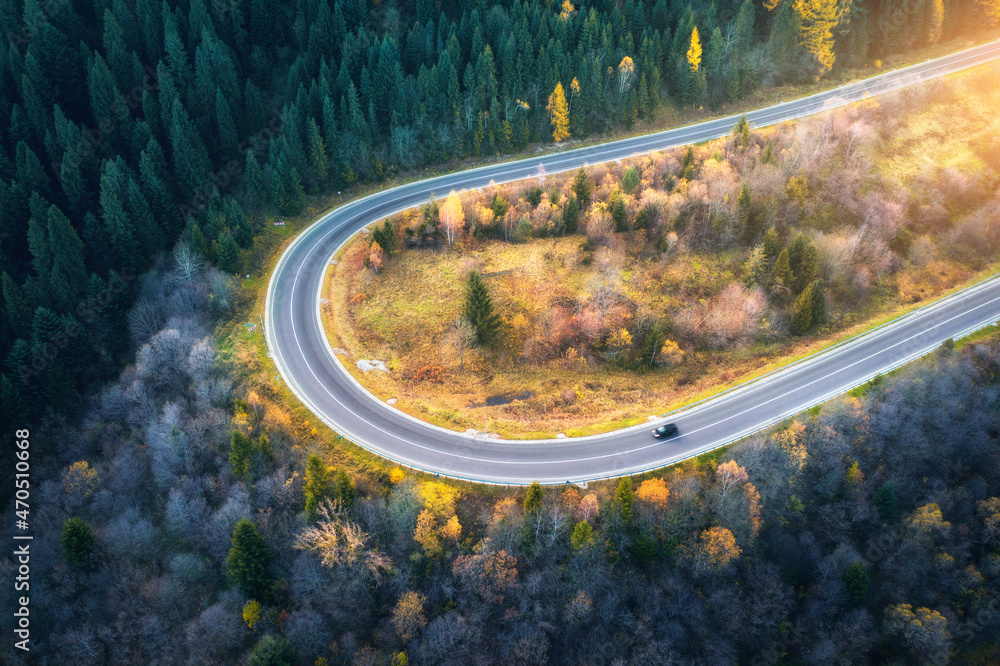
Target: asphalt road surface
[(305, 360)]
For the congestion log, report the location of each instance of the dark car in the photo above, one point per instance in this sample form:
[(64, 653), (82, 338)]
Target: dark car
[(665, 431)]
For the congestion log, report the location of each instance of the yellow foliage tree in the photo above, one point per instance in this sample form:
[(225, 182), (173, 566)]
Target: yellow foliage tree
[(452, 217), (376, 258), (992, 9), (426, 534), (251, 613), (935, 21), (452, 530), (819, 18), (620, 340), (670, 353), (694, 53), (438, 498), (653, 492), (396, 476), (81, 480), (408, 615), (715, 550), (558, 114)]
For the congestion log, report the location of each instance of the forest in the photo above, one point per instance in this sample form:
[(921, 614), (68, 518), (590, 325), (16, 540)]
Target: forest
[(185, 519), (622, 290), (131, 125), (183, 513)]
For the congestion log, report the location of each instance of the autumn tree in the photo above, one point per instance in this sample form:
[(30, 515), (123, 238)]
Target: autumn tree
[(558, 114), (452, 217), (408, 616), (695, 82), (426, 534), (923, 632), (478, 310), (273, 651), (715, 550), (818, 20), (461, 336)]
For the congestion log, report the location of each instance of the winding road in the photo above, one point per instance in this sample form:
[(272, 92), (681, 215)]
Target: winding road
[(303, 356)]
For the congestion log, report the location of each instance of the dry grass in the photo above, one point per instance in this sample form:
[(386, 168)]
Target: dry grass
[(401, 315)]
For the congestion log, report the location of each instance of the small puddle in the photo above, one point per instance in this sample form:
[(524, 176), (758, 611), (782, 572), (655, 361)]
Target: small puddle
[(495, 400)]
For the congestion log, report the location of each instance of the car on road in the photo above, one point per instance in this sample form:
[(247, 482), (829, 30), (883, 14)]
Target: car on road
[(666, 431)]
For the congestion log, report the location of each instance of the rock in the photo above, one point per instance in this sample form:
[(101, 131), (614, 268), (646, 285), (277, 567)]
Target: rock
[(366, 365), (392, 401), (561, 435)]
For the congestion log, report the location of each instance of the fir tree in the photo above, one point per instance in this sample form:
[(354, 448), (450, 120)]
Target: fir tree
[(781, 274), (582, 188), (533, 498), (317, 486), (624, 497), (240, 448), (69, 275), (78, 544), (249, 560), (803, 260), (802, 318), (345, 488), (228, 253), (479, 310), (772, 244)]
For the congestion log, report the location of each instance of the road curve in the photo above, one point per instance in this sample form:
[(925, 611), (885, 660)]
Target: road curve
[(305, 360)]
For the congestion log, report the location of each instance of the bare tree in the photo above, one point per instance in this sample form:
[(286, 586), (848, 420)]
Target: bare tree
[(461, 336)]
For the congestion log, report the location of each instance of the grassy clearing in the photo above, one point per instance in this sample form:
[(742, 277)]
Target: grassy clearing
[(401, 315)]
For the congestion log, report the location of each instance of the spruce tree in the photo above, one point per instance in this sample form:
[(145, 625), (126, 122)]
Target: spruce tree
[(819, 302), (582, 187), (533, 498), (240, 448), (78, 544), (802, 318), (249, 560), (772, 244), (625, 496), (317, 486), (345, 488), (254, 181), (69, 275), (781, 274), (803, 260), (885, 502), (479, 310), (228, 253)]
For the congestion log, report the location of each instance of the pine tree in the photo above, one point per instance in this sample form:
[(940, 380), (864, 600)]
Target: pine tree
[(695, 72), (249, 560), (571, 215), (479, 310), (254, 181), (803, 260), (240, 448), (317, 486), (802, 318), (772, 244), (317, 152), (781, 274), (78, 543), (533, 498), (744, 30), (582, 535), (741, 132), (191, 162), (885, 502), (15, 304), (755, 267), (228, 253), (69, 275), (229, 140), (783, 42), (819, 302), (818, 19), (856, 581), (558, 114), (624, 497), (581, 187), (345, 488)]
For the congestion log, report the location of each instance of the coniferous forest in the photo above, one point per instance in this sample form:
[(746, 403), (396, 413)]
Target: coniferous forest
[(184, 517), (130, 125)]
